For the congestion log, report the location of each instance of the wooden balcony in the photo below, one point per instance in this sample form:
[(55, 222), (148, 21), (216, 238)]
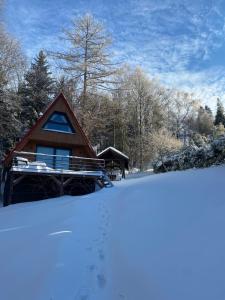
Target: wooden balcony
[(39, 162), (36, 176)]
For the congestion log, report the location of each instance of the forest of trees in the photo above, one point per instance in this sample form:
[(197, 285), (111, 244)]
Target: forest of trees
[(117, 105)]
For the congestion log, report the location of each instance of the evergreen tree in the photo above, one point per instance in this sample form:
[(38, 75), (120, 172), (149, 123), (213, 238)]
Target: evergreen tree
[(220, 117), (36, 90)]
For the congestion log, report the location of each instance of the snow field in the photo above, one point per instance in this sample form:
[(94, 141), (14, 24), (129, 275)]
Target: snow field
[(159, 237)]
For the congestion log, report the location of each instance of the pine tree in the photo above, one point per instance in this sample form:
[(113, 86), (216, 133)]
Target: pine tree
[(220, 117), (36, 90)]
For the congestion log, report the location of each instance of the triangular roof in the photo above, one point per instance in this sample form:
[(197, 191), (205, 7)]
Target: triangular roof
[(40, 121), (113, 150)]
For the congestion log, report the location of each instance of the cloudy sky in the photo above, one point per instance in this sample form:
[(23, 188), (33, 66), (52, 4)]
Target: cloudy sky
[(180, 42)]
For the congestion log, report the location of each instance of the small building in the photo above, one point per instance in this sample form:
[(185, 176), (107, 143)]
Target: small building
[(53, 158), (114, 160)]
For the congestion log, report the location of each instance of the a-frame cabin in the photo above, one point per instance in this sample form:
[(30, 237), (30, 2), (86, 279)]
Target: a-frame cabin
[(53, 158), (57, 128)]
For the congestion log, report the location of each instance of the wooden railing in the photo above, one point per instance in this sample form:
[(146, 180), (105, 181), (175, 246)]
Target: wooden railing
[(56, 162)]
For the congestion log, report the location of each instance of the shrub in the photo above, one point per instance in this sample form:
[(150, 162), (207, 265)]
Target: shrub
[(193, 157)]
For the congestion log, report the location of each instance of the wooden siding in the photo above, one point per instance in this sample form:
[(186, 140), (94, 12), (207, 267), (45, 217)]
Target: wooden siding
[(77, 142), (76, 150), (40, 134)]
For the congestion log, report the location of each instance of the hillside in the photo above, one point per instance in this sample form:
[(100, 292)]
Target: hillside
[(159, 237)]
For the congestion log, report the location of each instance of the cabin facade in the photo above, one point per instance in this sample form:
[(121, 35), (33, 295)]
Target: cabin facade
[(53, 158), (57, 131)]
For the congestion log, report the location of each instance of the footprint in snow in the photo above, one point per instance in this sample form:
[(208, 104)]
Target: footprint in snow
[(101, 280), (83, 294), (101, 254), (92, 268), (89, 248)]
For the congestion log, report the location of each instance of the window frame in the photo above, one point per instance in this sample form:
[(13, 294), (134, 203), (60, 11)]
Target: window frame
[(55, 122), (54, 153)]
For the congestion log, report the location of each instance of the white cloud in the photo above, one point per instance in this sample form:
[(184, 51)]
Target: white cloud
[(173, 40), (206, 85)]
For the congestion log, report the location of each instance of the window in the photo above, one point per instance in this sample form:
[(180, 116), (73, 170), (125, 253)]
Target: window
[(56, 162), (45, 158), (59, 122), (62, 162)]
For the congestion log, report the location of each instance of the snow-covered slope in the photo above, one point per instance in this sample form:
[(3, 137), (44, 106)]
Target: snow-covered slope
[(159, 237)]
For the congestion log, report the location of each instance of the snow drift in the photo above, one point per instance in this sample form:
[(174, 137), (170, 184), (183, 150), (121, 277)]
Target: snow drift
[(158, 237)]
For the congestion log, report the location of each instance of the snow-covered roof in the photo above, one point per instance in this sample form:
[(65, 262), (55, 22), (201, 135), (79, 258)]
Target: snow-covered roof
[(114, 150)]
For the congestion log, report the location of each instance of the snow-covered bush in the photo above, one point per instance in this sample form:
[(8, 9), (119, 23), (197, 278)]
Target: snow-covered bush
[(193, 157), (199, 140), (164, 143)]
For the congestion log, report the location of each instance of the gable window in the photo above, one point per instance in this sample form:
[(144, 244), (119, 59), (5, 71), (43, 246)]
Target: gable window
[(59, 122), (56, 158)]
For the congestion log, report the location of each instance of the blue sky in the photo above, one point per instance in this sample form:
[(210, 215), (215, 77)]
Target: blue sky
[(180, 42)]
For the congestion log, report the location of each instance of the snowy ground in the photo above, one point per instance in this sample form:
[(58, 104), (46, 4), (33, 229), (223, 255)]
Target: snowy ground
[(159, 237)]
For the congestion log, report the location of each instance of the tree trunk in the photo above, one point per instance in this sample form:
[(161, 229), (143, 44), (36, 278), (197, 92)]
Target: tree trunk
[(84, 98), (140, 134)]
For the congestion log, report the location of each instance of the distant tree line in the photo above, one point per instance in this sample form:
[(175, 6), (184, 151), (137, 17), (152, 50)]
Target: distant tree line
[(117, 105)]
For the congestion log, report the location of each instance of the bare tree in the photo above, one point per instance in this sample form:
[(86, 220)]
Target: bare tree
[(148, 101), (140, 93), (164, 142), (11, 71), (88, 59), (12, 61), (184, 107)]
